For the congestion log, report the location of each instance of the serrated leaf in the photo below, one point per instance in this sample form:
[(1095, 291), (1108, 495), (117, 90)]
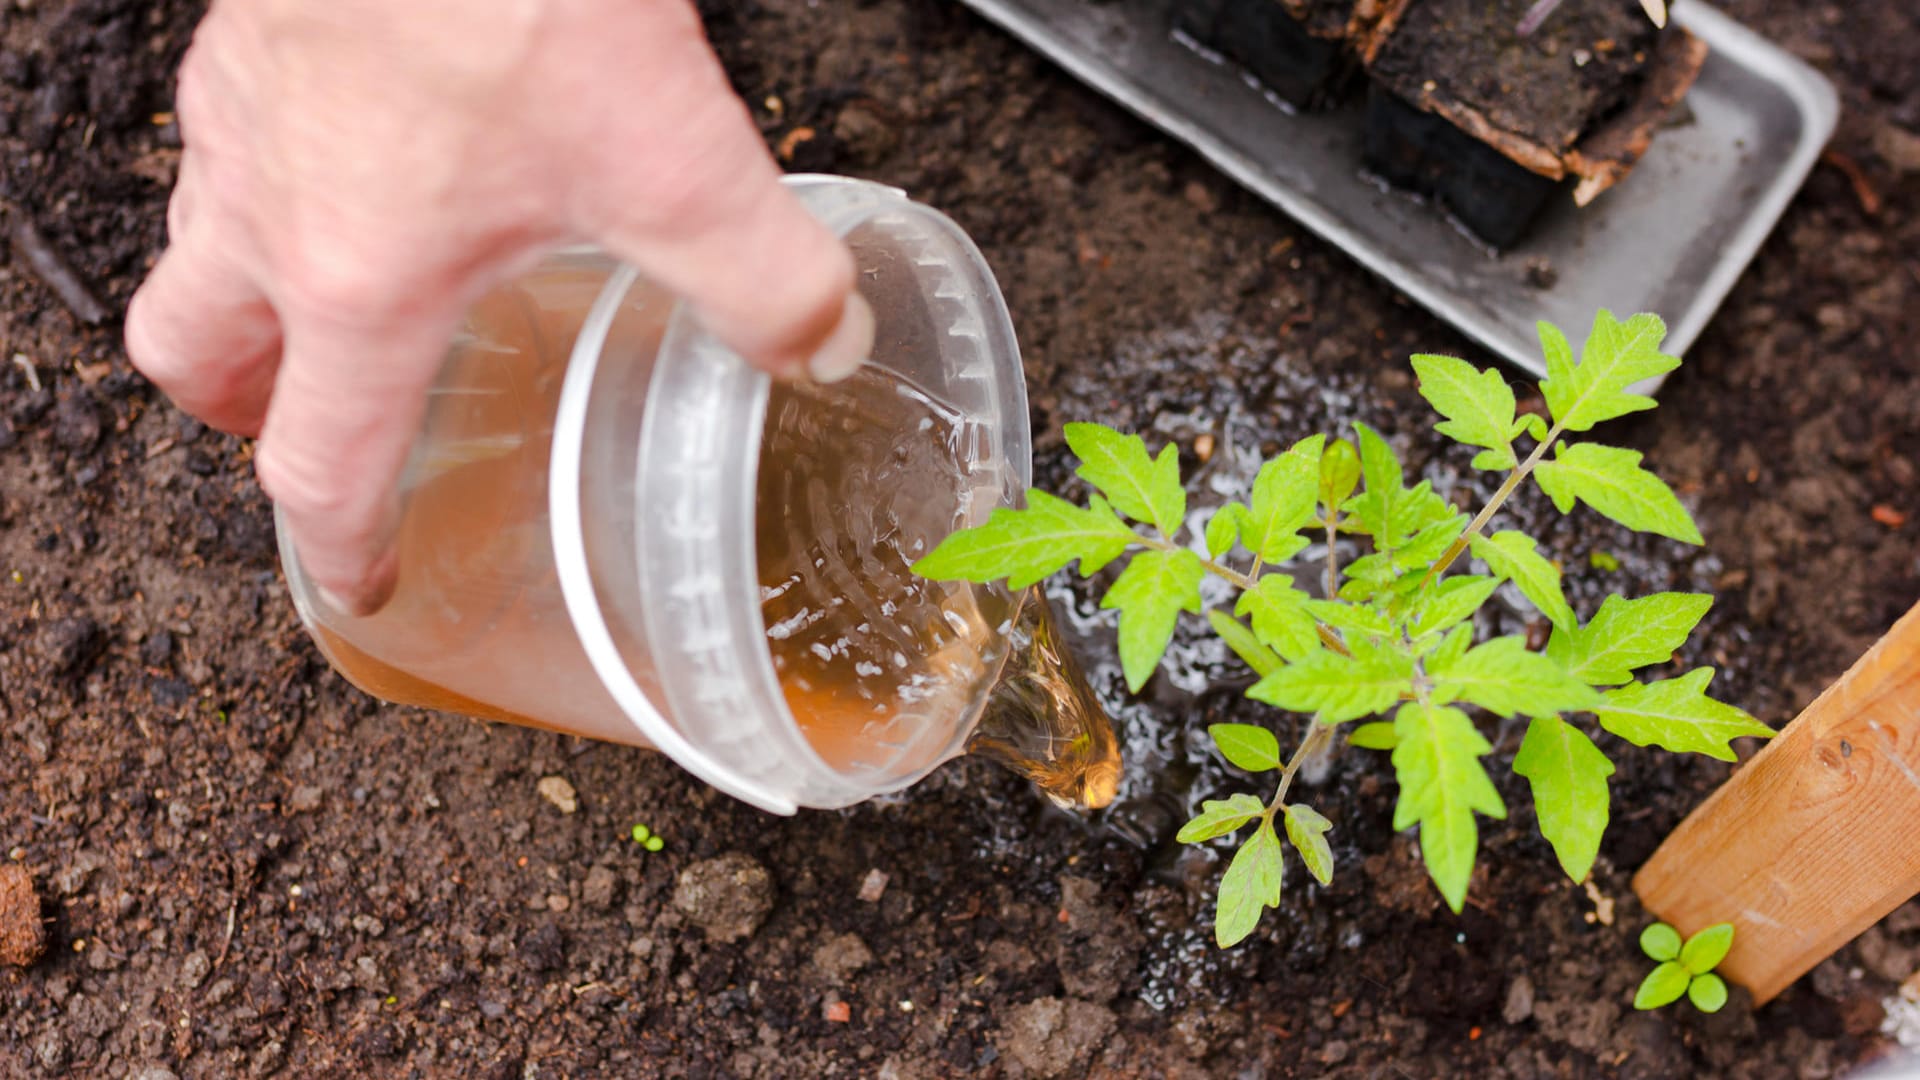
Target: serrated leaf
[(1243, 642), (1502, 677), (1626, 635), (1415, 511), (1558, 353), (1280, 617), (1478, 406), (1223, 529), (1660, 942), (1662, 986), (1284, 493), (1372, 509), (1151, 593), (1512, 557), (1451, 601), (1678, 715), (1339, 688), (1218, 817), (1707, 992), (1568, 775), (1617, 355), (1247, 746), (1026, 545), (1339, 473), (1356, 618), (1145, 489), (1706, 948), (1374, 736), (1250, 886), (1308, 831), (1452, 647), (1610, 480), (1442, 785)]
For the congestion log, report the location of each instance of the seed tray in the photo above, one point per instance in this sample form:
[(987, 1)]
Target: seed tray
[(1671, 238)]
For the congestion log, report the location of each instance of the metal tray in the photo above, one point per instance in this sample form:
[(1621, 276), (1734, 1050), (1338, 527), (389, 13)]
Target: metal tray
[(1671, 238)]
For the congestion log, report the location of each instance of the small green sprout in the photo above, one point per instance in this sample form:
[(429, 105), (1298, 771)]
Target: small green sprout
[(1685, 968), (646, 839), (1603, 560)]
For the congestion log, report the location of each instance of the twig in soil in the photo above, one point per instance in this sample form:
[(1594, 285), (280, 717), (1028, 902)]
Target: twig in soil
[(21, 361), (240, 885), (52, 269)]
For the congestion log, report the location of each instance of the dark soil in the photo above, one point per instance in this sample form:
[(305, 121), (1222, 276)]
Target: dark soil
[(252, 869)]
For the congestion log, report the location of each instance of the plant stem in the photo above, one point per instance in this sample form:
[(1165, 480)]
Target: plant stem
[(1480, 520), (1317, 736), (1247, 584), (1333, 557)]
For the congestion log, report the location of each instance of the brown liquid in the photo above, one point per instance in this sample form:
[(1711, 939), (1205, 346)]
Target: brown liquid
[(856, 481)]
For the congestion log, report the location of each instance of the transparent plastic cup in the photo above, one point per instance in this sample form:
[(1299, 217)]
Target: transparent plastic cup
[(578, 530)]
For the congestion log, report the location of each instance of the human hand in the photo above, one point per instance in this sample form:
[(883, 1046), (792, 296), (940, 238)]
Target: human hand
[(357, 172)]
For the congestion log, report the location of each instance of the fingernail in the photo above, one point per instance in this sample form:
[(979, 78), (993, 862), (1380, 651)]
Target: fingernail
[(848, 347)]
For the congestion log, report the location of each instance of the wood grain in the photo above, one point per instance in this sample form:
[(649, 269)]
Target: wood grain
[(1815, 839)]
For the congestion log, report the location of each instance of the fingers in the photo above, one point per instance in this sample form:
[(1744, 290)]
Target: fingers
[(697, 205), (200, 329), (347, 408)]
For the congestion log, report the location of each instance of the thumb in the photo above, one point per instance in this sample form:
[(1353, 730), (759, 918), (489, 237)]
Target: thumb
[(697, 206)]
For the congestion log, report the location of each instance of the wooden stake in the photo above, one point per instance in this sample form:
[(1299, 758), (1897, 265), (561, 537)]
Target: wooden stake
[(1815, 839)]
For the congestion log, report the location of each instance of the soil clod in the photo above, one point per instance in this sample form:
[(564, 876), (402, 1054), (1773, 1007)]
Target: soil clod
[(558, 791), (1053, 1037), (23, 934), (728, 897)]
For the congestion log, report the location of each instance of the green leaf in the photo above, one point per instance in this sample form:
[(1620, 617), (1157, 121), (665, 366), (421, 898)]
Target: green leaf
[(1248, 746), (1356, 618), (1617, 355), (1024, 546), (1414, 512), (1677, 714), (1452, 648), (1660, 942), (1143, 488), (1151, 593), (1512, 557), (1411, 550), (1530, 424), (1339, 474), (1223, 529), (1373, 508), (1611, 481), (1308, 831), (1453, 600), (1559, 356), (1502, 677), (1706, 948), (1707, 992), (1250, 886), (1339, 688), (1442, 784), (1663, 986), (1568, 775), (1280, 616), (1284, 493), (1626, 635), (1375, 736), (1218, 817), (1478, 406), (1243, 642)]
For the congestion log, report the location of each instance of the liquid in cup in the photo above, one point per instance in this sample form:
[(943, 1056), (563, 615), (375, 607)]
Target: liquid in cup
[(855, 482)]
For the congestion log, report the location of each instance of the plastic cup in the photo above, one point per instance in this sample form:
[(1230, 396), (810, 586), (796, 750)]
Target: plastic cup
[(577, 537)]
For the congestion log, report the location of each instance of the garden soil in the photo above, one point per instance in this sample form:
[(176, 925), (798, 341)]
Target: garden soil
[(245, 867)]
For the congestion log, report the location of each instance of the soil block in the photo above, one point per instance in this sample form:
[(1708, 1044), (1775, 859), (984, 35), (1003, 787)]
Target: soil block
[(1301, 50), (1489, 123)]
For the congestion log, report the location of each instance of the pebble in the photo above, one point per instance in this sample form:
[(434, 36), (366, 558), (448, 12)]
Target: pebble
[(874, 887), (1519, 1006), (556, 790), (597, 891), (728, 897)]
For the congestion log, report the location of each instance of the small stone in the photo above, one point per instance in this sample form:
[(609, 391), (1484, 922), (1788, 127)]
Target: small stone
[(874, 887), (728, 897), (305, 799), (556, 790), (597, 891), (1899, 147), (837, 1012), (558, 902), (1519, 1006), (841, 956), (23, 934), (1334, 1052), (1052, 1037), (194, 969)]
